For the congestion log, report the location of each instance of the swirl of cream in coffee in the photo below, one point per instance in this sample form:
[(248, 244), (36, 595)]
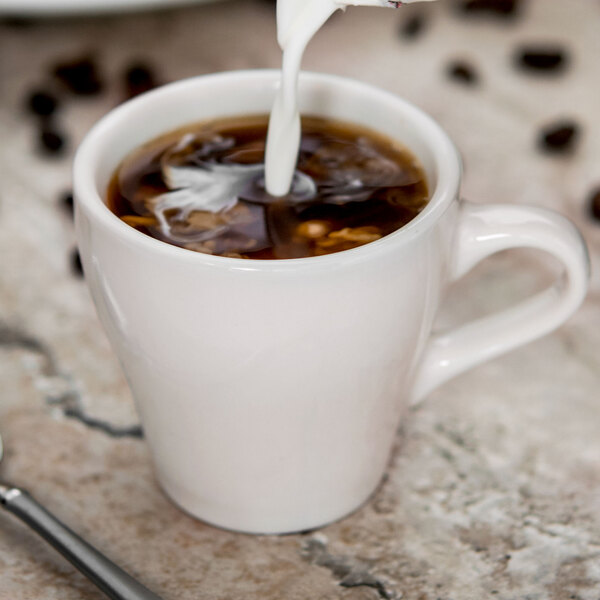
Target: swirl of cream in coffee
[(297, 23), (214, 188)]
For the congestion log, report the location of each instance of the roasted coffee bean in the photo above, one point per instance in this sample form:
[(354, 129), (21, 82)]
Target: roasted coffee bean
[(502, 8), (76, 266), (594, 204), (412, 27), (559, 137), (79, 76), (542, 58), (51, 141), (66, 201), (42, 103), (17, 22), (139, 78), (462, 72)]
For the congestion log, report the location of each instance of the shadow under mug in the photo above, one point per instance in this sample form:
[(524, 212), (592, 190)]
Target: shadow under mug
[(270, 391)]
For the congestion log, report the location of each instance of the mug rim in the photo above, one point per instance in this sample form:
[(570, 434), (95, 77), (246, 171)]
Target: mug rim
[(446, 159)]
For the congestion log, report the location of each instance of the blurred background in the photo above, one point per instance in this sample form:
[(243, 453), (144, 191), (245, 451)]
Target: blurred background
[(496, 487)]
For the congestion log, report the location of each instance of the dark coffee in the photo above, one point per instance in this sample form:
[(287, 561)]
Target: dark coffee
[(202, 188)]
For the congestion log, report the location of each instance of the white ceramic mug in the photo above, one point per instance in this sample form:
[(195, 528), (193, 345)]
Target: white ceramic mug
[(270, 391)]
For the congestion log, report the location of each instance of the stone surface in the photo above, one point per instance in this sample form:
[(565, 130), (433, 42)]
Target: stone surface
[(494, 487)]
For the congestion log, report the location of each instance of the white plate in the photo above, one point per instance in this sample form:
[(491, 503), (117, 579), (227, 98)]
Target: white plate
[(40, 8)]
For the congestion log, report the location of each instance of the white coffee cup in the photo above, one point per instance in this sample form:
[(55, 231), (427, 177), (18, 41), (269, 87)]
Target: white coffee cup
[(270, 391)]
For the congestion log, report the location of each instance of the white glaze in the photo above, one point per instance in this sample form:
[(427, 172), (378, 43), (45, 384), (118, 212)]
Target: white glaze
[(270, 391)]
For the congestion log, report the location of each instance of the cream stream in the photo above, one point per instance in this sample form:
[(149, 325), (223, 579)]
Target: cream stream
[(297, 23)]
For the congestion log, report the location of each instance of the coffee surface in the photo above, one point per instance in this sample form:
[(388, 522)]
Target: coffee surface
[(202, 188)]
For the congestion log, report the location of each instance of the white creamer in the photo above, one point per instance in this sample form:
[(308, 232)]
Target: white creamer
[(297, 23)]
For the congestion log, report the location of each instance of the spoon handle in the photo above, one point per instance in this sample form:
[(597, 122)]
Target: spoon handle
[(112, 580)]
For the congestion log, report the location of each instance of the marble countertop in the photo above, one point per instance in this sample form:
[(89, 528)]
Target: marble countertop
[(494, 489)]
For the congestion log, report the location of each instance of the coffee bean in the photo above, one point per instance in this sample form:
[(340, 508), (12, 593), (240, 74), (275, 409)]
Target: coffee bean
[(542, 59), (42, 103), (500, 8), (66, 201), (462, 72), (76, 266), (17, 22), (139, 78), (79, 76), (594, 204), (412, 27), (559, 137), (51, 142)]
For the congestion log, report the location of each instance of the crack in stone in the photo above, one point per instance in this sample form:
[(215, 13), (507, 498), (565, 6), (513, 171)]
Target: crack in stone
[(72, 407), (13, 337), (68, 399), (350, 572)]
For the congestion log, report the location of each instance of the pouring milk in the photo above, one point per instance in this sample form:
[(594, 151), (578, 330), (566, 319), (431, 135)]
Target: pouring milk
[(297, 23), (214, 188)]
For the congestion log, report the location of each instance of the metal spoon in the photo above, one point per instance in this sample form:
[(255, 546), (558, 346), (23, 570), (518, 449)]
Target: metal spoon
[(112, 580)]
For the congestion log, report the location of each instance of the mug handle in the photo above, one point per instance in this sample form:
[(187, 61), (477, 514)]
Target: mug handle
[(484, 230)]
